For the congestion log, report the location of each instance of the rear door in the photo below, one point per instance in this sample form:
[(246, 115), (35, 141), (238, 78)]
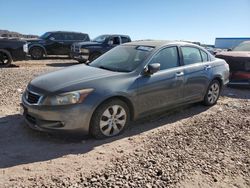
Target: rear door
[(197, 72), (164, 88), (69, 39)]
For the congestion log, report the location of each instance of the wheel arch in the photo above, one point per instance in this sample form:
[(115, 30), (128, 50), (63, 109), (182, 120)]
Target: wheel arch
[(40, 46), (122, 98), (8, 52), (219, 79)]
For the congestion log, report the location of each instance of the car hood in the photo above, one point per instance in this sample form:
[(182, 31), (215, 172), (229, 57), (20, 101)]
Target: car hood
[(74, 77), (33, 40)]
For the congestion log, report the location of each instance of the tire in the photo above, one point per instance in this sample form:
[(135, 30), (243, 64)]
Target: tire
[(94, 56), (5, 58), (106, 124), (213, 93), (36, 53)]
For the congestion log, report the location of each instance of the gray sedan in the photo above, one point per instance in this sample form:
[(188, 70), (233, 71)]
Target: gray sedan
[(128, 82)]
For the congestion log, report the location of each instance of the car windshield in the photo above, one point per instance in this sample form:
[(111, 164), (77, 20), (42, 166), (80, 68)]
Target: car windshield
[(45, 35), (245, 46), (123, 58), (100, 39)]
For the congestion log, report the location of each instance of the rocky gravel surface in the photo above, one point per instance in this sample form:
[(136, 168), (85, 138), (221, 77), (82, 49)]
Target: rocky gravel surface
[(194, 146)]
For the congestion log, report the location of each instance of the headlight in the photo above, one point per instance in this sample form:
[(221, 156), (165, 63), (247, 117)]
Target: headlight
[(85, 51), (74, 97), (25, 48)]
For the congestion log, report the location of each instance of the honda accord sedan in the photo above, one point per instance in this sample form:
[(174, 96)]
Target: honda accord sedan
[(129, 82)]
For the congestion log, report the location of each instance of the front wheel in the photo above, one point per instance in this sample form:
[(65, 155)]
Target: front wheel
[(36, 53), (109, 119), (213, 93)]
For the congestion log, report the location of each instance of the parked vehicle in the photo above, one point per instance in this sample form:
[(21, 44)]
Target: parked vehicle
[(130, 81), (239, 63), (55, 43), (12, 50), (89, 51)]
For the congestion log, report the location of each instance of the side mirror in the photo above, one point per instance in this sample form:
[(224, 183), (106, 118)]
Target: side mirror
[(51, 38), (152, 68)]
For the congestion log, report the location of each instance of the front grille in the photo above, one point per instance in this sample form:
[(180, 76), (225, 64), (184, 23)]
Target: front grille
[(77, 49), (32, 98)]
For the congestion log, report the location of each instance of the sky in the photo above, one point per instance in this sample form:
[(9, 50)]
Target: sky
[(194, 20)]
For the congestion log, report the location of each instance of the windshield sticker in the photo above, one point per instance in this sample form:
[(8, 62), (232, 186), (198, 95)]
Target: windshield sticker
[(145, 48)]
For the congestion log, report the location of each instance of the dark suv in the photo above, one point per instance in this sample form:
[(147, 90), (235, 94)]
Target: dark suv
[(89, 51), (55, 43)]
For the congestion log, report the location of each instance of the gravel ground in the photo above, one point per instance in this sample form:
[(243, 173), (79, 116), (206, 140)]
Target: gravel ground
[(194, 146)]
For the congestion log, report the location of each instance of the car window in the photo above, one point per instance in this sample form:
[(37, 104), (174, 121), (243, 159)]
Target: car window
[(123, 58), (125, 39), (80, 37), (191, 55), (245, 46), (116, 40), (68, 36), (167, 58), (204, 56), (57, 36)]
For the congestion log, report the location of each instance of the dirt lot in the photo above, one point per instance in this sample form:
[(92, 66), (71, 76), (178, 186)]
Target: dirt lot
[(194, 146)]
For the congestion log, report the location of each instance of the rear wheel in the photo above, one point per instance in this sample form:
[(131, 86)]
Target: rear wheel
[(213, 93), (5, 58), (36, 53), (109, 119)]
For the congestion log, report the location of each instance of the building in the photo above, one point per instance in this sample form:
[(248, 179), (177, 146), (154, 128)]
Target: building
[(229, 43)]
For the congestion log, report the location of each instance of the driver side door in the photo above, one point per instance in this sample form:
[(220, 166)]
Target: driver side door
[(164, 88), (55, 44)]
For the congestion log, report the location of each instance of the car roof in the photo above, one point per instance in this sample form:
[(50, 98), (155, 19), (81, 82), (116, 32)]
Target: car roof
[(159, 43), (67, 32), (114, 35)]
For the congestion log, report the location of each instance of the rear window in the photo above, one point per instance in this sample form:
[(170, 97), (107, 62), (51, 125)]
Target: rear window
[(191, 55), (81, 36), (204, 56)]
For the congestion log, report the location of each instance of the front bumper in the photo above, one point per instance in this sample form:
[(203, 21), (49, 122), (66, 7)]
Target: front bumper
[(240, 83), (58, 119), (79, 56), (239, 78)]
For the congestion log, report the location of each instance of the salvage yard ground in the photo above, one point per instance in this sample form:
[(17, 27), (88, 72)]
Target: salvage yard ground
[(194, 146)]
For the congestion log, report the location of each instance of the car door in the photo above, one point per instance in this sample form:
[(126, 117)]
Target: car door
[(113, 42), (69, 39), (54, 44), (196, 72), (164, 88)]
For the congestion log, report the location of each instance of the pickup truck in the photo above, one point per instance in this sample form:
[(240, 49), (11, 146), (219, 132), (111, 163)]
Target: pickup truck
[(12, 50), (88, 51)]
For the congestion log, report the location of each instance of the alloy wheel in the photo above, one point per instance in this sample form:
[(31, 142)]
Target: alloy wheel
[(213, 93), (113, 120)]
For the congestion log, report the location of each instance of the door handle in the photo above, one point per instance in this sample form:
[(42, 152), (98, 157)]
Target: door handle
[(207, 67), (179, 74)]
